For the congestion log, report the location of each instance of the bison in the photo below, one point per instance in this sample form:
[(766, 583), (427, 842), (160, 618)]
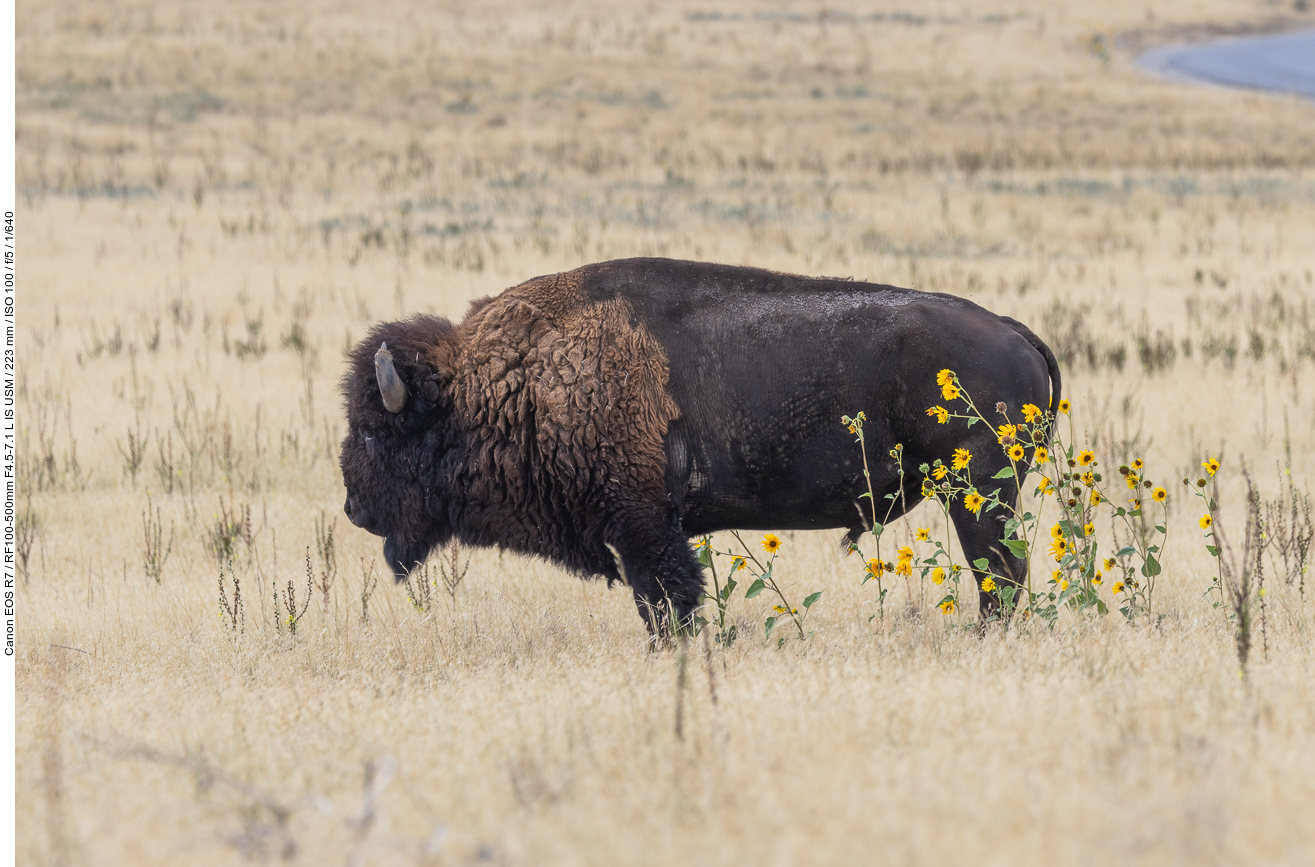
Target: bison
[(601, 417)]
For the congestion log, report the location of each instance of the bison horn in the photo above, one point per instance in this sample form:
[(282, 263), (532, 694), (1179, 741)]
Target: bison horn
[(391, 388)]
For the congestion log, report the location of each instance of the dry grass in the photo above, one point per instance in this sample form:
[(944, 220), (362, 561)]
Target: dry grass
[(218, 199)]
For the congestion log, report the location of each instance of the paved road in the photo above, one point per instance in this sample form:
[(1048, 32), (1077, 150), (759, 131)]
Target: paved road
[(1285, 63)]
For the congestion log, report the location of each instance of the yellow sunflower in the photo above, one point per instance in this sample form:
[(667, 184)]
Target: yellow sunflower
[(1086, 458), (1031, 412), (1041, 455), (1016, 452), (961, 459), (1206, 521), (941, 414), (924, 535), (1159, 495), (771, 543), (1064, 406), (1211, 466), (972, 501), (937, 575), (988, 583), (947, 606), (939, 472), (1006, 432)]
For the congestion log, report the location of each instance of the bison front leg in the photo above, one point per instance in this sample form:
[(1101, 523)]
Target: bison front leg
[(664, 576)]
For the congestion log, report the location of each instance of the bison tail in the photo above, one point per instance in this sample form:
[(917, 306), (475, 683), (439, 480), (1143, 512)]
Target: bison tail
[(1052, 365)]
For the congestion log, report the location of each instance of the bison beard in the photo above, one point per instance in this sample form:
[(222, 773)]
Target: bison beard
[(601, 417)]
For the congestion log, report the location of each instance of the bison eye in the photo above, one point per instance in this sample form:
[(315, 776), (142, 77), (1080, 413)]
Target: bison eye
[(370, 445)]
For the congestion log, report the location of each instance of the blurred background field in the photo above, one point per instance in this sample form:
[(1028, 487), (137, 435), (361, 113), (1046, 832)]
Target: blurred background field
[(217, 199)]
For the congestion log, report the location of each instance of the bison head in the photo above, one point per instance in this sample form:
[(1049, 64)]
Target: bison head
[(399, 431)]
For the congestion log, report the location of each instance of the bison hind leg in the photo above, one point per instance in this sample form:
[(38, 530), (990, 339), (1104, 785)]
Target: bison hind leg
[(981, 539)]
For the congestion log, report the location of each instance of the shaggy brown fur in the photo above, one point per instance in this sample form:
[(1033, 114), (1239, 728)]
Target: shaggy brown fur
[(559, 408)]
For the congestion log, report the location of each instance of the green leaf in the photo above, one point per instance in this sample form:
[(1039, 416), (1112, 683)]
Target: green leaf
[(1012, 525), (1214, 551), (754, 589), (1102, 607), (982, 564), (811, 598), (1151, 567), (705, 557), (728, 589), (1006, 473), (1017, 546), (1124, 552), (973, 421), (877, 529), (1160, 529), (771, 621)]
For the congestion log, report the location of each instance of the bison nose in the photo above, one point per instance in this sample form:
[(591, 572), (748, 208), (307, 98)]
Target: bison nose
[(353, 514)]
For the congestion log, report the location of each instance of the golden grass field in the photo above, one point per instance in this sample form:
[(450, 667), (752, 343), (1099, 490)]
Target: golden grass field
[(217, 199)]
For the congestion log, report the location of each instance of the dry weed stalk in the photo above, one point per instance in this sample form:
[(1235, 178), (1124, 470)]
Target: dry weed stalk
[(369, 583), (165, 469), (1244, 582), (419, 584), (236, 621), (134, 453), (27, 527), (232, 524), (1291, 531), (451, 575), (155, 553), (328, 556), (289, 602)]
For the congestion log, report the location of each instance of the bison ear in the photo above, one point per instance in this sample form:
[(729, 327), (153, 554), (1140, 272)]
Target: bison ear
[(391, 387), (429, 389)]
